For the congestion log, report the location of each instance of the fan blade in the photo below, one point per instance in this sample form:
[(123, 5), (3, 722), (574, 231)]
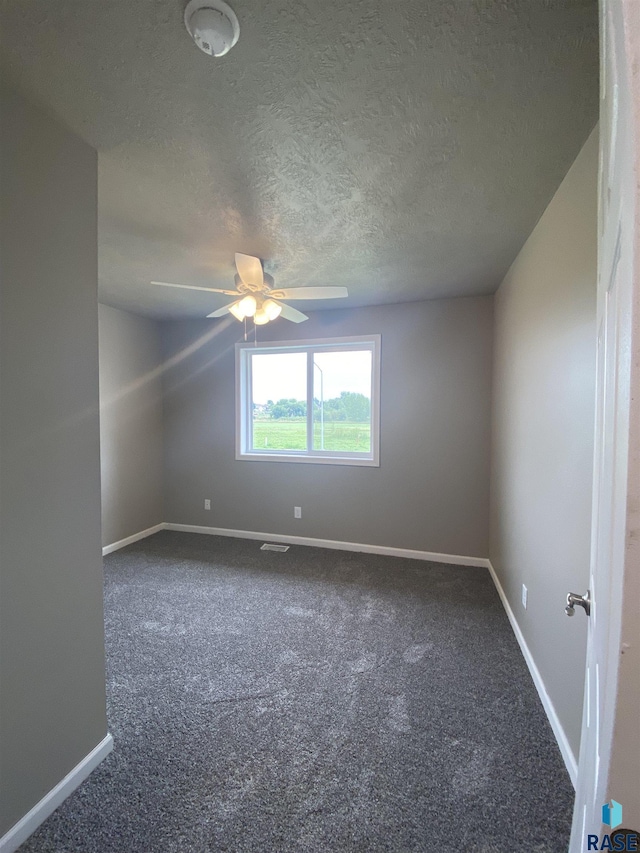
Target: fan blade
[(311, 293), (221, 311), (195, 287), (249, 269), (292, 314)]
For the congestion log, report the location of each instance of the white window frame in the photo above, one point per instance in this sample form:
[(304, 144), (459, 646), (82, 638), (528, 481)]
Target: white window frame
[(244, 420)]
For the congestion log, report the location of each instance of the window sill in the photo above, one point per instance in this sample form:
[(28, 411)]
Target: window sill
[(365, 461)]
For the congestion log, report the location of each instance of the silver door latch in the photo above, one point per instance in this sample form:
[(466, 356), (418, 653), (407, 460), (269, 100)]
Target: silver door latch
[(581, 600)]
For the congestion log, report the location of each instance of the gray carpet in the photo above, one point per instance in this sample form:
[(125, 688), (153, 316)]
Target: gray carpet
[(312, 701)]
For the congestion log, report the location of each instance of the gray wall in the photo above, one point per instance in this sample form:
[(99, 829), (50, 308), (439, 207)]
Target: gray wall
[(543, 427), (431, 490), (52, 697), (130, 423)]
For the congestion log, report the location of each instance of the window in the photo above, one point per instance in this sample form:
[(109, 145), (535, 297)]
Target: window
[(312, 401)]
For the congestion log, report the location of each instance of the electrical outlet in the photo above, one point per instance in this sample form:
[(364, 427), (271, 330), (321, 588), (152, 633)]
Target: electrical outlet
[(297, 512), (524, 596), (207, 503)]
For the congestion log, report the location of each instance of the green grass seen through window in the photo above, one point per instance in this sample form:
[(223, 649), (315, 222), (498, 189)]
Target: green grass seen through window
[(291, 434)]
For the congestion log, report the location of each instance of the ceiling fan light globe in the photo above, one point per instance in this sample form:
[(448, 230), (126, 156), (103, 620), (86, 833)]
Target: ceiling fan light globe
[(260, 317), (248, 306), (237, 312), (271, 309)]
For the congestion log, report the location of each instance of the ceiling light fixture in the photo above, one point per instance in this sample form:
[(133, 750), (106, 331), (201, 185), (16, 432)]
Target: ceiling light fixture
[(248, 306), (260, 317), (212, 25), (262, 313), (271, 309), (237, 313)]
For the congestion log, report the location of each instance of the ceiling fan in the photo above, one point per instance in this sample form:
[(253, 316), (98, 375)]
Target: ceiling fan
[(256, 296)]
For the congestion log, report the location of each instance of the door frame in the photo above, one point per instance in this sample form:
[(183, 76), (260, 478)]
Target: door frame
[(609, 763)]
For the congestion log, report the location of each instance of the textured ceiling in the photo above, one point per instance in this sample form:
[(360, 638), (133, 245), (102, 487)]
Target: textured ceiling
[(405, 149)]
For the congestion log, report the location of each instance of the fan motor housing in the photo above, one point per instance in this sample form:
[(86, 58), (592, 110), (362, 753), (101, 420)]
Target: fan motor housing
[(243, 287)]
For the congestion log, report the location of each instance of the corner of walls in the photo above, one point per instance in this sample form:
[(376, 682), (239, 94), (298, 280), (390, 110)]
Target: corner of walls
[(134, 537), (131, 425)]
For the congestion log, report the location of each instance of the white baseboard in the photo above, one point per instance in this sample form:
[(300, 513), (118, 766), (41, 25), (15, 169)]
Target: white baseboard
[(334, 544), (560, 735), (135, 537), (19, 833)]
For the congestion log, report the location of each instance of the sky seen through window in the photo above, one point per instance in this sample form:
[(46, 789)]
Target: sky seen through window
[(278, 376)]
